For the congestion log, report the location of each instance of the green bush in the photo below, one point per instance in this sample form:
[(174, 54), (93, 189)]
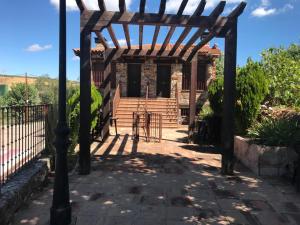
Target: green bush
[(215, 95), (251, 89), (20, 93), (282, 67), (276, 132), (74, 113)]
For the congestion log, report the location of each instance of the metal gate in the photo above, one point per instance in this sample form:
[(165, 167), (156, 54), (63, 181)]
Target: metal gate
[(151, 125)]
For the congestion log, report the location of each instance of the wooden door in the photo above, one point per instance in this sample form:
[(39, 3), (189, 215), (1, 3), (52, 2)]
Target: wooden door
[(163, 86), (133, 80)]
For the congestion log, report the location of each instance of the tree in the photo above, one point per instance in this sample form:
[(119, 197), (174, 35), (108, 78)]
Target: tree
[(47, 89), (282, 67), (22, 94)]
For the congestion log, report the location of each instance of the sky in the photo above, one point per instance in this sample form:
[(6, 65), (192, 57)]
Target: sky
[(29, 31)]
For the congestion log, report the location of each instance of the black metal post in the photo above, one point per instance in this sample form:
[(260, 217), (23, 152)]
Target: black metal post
[(60, 213), (229, 99)]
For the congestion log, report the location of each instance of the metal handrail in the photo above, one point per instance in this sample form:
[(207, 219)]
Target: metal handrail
[(177, 101)]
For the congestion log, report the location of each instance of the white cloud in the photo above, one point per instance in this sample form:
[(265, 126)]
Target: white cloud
[(112, 5), (121, 42), (173, 5), (38, 48), (264, 10), (75, 58), (261, 12)]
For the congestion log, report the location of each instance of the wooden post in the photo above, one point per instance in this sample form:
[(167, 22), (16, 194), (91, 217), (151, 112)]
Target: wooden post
[(192, 100), (229, 100), (85, 102)]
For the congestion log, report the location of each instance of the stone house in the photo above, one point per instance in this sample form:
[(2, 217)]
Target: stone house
[(163, 78)]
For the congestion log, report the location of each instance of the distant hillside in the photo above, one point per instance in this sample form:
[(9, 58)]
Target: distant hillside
[(10, 80)]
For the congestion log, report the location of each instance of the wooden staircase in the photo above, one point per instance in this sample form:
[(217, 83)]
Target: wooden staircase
[(167, 107)]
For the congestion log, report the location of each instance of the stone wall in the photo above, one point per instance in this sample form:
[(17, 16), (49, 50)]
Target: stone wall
[(265, 160), (121, 77), (149, 70), (19, 189), (149, 74)]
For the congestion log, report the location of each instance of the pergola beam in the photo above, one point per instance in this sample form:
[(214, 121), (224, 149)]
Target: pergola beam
[(102, 5), (214, 16), (94, 20), (173, 28), (199, 10), (122, 7), (101, 39), (81, 5), (162, 9), (141, 27)]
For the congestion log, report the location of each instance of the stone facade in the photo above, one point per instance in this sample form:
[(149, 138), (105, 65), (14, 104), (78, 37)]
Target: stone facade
[(149, 74)]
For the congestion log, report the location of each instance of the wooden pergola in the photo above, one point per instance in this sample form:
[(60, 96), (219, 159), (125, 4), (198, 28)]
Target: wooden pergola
[(207, 27)]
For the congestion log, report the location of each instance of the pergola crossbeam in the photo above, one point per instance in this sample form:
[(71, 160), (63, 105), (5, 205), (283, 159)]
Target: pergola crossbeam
[(141, 27), (122, 7), (199, 10), (173, 28), (80, 5), (162, 8), (101, 39), (102, 5), (214, 16)]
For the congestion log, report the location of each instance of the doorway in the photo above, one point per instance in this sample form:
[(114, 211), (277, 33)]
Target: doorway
[(163, 85), (133, 80)]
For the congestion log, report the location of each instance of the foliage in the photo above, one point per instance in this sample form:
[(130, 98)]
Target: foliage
[(47, 89), (220, 66), (252, 88), (282, 67), (19, 93), (74, 113), (215, 95), (276, 132), (205, 111)]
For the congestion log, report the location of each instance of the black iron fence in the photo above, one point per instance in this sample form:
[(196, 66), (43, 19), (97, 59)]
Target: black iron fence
[(22, 137)]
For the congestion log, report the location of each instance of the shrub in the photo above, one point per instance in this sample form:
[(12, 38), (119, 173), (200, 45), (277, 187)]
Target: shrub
[(20, 93), (282, 67), (251, 89), (276, 132), (74, 113), (215, 95)]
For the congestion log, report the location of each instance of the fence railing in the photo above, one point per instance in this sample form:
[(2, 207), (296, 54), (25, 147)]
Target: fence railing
[(22, 137), (150, 123)]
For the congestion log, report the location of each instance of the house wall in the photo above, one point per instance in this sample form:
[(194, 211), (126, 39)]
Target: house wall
[(149, 74)]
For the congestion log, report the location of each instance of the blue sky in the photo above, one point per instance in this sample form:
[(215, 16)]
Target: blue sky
[(29, 31)]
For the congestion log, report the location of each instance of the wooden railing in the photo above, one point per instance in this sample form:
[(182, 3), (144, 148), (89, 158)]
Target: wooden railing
[(116, 100), (177, 101)]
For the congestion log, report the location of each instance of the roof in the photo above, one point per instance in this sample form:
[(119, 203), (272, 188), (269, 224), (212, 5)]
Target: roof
[(206, 49)]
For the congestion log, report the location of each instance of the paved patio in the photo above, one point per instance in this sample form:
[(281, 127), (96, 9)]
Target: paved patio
[(167, 183)]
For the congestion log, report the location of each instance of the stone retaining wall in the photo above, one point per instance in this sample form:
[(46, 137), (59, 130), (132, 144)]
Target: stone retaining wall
[(19, 189), (265, 160)]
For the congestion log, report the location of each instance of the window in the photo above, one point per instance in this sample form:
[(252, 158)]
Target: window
[(201, 76)]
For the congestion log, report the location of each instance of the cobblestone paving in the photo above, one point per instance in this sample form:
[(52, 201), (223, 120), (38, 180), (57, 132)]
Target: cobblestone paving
[(168, 183)]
